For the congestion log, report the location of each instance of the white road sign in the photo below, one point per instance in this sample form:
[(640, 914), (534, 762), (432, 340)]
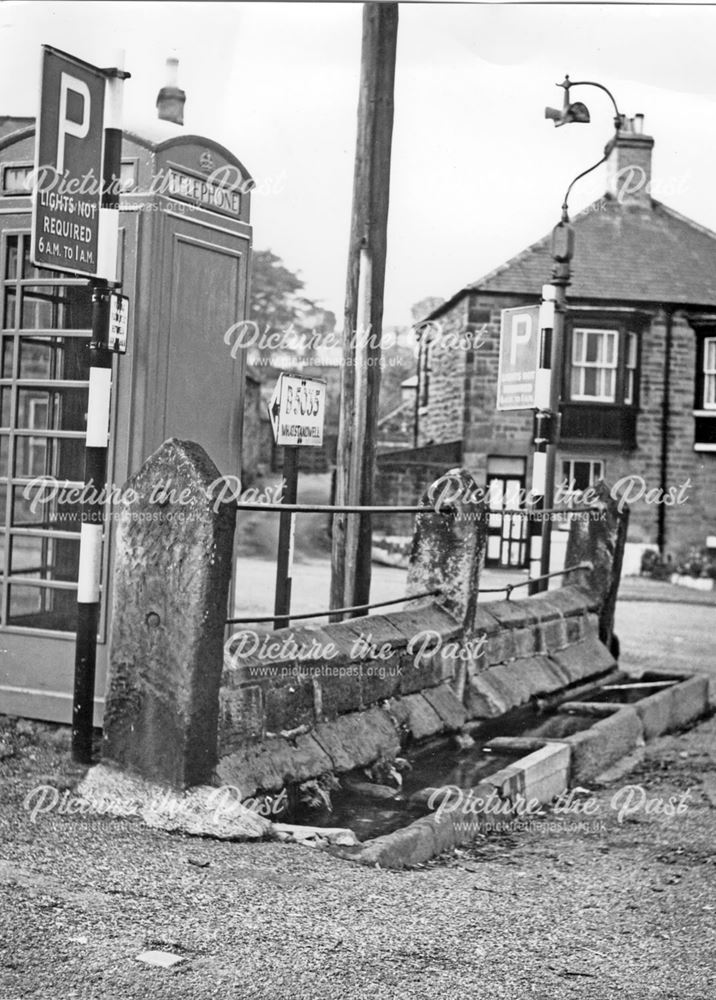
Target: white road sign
[(519, 357), (118, 323), (298, 410)]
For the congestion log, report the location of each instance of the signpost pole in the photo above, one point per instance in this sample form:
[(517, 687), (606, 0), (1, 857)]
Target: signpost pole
[(97, 440), (79, 139), (297, 411), (287, 523), (88, 584), (538, 528), (547, 397)]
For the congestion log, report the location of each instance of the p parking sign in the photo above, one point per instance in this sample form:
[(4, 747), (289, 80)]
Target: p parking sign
[(67, 199), (519, 357)]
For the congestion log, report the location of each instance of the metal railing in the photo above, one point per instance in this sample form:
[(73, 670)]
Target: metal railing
[(444, 509), (334, 611), (507, 589)]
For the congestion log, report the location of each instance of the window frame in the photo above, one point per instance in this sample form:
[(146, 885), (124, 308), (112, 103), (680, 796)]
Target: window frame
[(704, 412), (583, 366), (707, 373), (628, 331), (631, 367), (571, 460), (19, 166)]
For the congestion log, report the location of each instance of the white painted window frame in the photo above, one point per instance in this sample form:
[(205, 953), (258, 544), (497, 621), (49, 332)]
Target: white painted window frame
[(581, 365)]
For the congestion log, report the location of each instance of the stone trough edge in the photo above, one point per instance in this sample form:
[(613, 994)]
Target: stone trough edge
[(622, 728)]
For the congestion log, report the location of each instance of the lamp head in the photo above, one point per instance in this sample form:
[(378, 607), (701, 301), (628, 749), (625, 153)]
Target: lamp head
[(576, 112), (570, 112)]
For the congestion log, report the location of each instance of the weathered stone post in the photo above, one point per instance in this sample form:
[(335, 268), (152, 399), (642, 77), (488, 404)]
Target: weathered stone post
[(171, 584), (599, 537), (449, 547)]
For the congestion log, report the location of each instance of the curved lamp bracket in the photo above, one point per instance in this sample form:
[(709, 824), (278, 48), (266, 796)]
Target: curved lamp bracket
[(578, 112)]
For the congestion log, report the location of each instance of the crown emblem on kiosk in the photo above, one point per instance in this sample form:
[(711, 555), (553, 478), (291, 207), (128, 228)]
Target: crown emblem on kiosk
[(206, 161)]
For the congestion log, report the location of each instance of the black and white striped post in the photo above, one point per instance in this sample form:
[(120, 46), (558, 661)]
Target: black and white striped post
[(547, 396), (539, 456), (98, 417)]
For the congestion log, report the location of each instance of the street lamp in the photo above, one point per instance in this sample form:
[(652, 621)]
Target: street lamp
[(552, 313)]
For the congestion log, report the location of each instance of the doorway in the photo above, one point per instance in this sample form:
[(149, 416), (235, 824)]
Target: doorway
[(506, 531)]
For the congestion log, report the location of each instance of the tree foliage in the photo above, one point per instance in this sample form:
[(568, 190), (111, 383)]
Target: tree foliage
[(277, 299)]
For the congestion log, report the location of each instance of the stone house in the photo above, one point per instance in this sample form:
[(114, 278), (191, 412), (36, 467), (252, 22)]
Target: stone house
[(639, 375)]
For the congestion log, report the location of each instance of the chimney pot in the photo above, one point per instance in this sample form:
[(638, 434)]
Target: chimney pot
[(171, 98)]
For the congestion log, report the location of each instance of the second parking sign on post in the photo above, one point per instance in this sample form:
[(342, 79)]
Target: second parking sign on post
[(519, 358)]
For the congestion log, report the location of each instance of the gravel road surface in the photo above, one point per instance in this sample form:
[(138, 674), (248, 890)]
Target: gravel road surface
[(571, 904)]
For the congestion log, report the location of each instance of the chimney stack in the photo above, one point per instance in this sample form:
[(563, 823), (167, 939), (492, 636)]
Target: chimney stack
[(171, 99), (629, 165)]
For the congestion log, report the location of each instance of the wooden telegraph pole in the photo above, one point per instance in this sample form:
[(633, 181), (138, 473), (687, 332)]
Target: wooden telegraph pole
[(363, 316)]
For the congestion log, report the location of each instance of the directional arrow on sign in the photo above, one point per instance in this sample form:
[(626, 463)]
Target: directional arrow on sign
[(297, 411), (274, 408)]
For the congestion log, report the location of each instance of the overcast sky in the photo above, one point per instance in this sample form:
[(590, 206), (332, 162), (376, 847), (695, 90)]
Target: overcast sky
[(477, 172)]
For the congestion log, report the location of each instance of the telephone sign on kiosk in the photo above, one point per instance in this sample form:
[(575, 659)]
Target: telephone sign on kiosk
[(298, 410)]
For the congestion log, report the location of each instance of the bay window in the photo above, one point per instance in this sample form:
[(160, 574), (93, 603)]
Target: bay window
[(601, 383)]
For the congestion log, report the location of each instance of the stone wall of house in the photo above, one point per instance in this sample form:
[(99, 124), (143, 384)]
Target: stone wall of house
[(403, 475), (697, 518), (442, 419)]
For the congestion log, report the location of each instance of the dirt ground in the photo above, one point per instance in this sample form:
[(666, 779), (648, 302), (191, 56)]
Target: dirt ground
[(569, 904), (611, 897)]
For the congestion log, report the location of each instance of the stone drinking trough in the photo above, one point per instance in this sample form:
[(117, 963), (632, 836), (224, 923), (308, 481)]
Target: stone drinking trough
[(192, 705)]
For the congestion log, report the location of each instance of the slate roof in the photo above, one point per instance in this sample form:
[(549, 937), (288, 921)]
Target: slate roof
[(623, 253)]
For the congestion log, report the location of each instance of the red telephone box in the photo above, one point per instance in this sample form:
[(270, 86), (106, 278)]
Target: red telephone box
[(184, 253)]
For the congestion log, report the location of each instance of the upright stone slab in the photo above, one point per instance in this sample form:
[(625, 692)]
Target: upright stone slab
[(449, 547), (171, 584), (599, 538)]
